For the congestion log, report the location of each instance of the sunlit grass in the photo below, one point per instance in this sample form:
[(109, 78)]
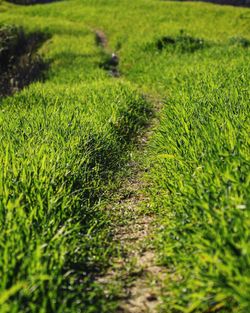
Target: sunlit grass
[(64, 142)]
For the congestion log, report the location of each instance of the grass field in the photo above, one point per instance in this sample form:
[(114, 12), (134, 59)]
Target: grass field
[(65, 145), (201, 185)]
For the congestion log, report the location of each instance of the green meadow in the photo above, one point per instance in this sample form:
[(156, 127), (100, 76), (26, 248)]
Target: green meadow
[(66, 144)]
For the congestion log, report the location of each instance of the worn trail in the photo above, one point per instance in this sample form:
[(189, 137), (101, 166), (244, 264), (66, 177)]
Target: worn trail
[(135, 271), (110, 60)]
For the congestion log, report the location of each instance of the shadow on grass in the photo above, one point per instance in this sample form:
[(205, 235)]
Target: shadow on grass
[(239, 3), (30, 2), (20, 64), (182, 43)]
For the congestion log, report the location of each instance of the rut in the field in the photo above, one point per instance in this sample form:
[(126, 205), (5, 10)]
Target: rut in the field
[(136, 270), (110, 60)]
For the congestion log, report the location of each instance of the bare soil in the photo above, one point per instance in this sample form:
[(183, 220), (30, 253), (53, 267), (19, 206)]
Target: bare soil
[(136, 271), (111, 60), (101, 39)]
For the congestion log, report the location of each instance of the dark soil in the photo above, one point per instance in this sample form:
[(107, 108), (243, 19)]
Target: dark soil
[(20, 64)]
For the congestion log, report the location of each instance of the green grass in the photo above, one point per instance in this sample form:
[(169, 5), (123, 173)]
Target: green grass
[(64, 145), (60, 149), (201, 183)]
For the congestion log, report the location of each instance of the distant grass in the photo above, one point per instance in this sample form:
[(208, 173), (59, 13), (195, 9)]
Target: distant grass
[(64, 143)]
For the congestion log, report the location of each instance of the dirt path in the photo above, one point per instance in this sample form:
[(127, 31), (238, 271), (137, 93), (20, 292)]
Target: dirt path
[(110, 60), (135, 271)]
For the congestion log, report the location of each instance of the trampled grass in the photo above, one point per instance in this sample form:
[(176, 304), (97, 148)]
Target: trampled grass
[(64, 141)]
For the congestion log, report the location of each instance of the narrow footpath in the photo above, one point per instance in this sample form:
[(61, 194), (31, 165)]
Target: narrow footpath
[(135, 271)]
